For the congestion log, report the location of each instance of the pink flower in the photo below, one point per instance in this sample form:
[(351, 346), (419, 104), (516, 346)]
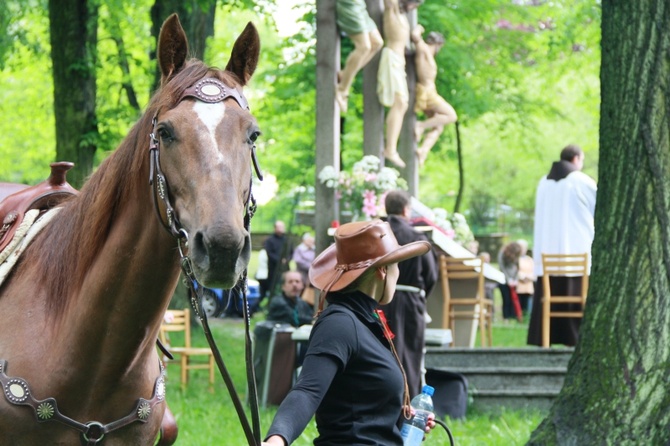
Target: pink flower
[(371, 177), (369, 203)]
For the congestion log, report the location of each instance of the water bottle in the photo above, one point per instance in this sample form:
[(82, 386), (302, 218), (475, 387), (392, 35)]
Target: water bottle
[(414, 429)]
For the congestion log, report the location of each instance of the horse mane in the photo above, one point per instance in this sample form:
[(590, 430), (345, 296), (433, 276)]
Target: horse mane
[(64, 251)]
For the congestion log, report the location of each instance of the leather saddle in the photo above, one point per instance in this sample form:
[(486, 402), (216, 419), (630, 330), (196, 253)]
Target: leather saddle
[(43, 196)]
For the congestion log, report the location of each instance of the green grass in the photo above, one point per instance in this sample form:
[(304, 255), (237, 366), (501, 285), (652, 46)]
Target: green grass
[(206, 415)]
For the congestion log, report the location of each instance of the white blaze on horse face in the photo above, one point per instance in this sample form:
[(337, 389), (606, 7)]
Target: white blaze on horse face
[(211, 115)]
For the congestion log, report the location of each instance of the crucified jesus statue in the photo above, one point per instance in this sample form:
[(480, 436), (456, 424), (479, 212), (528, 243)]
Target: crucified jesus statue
[(391, 78)]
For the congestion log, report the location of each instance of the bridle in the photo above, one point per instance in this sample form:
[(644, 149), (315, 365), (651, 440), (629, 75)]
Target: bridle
[(209, 90)]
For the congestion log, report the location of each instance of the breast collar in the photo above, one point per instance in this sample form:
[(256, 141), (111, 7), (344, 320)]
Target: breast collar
[(17, 392)]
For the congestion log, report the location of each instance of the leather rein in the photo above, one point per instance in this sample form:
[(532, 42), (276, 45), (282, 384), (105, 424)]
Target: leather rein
[(210, 90)]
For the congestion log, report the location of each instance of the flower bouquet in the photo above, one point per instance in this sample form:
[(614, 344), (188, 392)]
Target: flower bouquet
[(454, 226), (362, 190)]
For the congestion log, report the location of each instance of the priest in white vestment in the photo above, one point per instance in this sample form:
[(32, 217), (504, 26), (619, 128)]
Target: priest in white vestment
[(564, 207)]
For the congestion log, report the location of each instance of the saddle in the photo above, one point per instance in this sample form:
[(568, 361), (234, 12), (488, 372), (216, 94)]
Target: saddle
[(43, 196)]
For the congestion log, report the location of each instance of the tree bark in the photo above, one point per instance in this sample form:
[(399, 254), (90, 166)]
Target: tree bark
[(196, 17), (73, 30), (615, 390)]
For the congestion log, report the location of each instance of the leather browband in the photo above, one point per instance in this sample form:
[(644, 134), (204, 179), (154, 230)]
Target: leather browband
[(212, 90)]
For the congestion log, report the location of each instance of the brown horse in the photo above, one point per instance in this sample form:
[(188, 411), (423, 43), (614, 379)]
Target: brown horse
[(80, 312)]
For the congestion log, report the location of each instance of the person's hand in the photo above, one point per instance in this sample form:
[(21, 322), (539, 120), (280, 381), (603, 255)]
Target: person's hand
[(431, 423), (275, 440)]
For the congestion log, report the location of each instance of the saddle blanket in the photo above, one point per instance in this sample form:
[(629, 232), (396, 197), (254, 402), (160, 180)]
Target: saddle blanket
[(31, 225)]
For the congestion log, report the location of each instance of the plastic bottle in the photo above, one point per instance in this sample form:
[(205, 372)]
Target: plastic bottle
[(414, 429)]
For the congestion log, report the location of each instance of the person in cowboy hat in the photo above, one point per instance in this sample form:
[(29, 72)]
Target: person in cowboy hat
[(351, 377)]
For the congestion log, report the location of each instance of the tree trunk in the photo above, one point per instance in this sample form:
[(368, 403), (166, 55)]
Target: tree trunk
[(615, 391), (197, 18), (73, 27)]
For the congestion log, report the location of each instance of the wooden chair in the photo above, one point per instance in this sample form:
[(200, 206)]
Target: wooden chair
[(565, 265), (180, 321), (475, 305)]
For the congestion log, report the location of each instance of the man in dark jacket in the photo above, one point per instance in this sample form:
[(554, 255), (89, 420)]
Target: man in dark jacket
[(406, 314), (288, 307), (279, 250)]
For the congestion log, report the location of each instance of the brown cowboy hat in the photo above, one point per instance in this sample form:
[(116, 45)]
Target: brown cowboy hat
[(358, 247)]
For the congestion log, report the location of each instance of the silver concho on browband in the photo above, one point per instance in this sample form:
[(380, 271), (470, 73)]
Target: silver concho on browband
[(212, 90)]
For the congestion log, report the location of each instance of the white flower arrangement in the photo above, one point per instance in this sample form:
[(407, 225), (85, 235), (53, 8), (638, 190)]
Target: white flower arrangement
[(362, 190), (454, 226)]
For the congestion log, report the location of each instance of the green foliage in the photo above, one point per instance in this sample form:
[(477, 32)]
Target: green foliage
[(522, 75), (124, 31), (26, 100), (524, 80), (14, 29)]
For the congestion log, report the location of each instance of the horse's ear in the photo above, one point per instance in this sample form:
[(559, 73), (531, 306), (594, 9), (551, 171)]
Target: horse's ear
[(244, 57), (172, 48)]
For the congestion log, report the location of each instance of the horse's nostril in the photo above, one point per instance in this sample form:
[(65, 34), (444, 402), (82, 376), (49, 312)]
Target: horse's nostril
[(199, 244)]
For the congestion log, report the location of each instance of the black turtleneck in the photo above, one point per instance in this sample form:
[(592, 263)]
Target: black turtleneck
[(350, 379)]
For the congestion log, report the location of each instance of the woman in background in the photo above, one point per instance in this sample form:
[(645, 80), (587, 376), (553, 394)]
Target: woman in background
[(508, 262), (526, 284)]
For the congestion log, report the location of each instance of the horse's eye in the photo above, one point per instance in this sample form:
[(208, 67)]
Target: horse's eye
[(166, 135), (254, 136)]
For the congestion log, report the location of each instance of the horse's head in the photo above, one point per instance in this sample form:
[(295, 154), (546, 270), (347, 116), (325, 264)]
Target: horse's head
[(206, 136)]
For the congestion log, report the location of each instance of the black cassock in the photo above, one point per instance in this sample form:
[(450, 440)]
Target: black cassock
[(406, 313)]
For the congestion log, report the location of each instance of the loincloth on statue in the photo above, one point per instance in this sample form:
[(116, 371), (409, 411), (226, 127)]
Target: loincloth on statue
[(391, 78), (427, 99), (353, 18)]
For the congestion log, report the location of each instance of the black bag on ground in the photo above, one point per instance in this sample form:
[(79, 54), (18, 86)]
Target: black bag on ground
[(451, 392)]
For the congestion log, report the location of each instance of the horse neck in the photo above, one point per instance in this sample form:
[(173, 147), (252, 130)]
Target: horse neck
[(131, 265)]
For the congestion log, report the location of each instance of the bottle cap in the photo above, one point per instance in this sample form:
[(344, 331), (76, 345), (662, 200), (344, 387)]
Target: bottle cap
[(428, 390)]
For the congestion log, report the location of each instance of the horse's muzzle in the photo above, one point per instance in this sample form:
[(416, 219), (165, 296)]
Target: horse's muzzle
[(220, 256)]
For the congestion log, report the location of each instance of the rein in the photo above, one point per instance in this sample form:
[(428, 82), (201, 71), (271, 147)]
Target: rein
[(210, 90)]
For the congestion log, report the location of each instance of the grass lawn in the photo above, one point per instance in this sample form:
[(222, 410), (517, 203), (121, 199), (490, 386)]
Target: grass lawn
[(206, 415)]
